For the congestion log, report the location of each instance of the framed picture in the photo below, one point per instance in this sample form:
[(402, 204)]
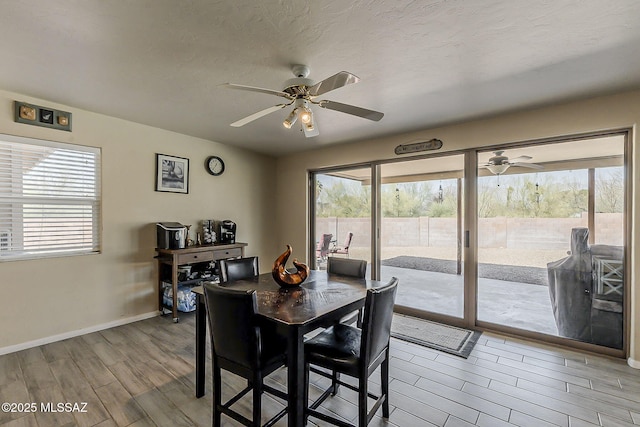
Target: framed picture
[(172, 174)]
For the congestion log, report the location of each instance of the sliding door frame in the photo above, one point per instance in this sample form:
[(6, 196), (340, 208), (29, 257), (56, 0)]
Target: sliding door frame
[(470, 239), (311, 207), (627, 134), (376, 220), (376, 227), (470, 234)]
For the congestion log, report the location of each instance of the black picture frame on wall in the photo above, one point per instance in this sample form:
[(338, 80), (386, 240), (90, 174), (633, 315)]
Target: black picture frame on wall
[(172, 174)]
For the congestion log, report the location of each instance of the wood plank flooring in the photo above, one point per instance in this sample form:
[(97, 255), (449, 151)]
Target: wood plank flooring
[(142, 374)]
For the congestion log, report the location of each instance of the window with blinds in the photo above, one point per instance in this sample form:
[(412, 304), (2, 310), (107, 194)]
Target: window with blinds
[(49, 198)]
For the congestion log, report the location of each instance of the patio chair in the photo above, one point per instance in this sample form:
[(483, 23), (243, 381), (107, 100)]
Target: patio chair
[(343, 250), (322, 249)]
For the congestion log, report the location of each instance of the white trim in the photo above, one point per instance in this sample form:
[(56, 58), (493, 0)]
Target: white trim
[(633, 363), (78, 332)]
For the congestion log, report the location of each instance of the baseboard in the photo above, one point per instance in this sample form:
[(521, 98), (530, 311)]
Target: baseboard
[(71, 334), (633, 363)]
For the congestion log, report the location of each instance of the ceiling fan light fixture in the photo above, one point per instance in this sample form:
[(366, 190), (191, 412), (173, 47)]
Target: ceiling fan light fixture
[(309, 126), (307, 119), (306, 116), (291, 119), (498, 169)]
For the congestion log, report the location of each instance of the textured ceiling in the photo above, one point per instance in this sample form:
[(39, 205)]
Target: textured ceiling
[(422, 63)]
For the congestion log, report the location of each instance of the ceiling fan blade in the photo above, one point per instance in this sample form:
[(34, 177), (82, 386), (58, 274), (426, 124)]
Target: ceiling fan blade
[(256, 89), (257, 115), (336, 81), (520, 159), (352, 109), (527, 165)]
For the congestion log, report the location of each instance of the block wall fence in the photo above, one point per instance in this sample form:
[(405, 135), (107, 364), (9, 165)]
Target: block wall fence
[(499, 232)]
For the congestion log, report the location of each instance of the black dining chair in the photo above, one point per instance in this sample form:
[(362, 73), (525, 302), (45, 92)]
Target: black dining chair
[(355, 352), (351, 268), (241, 344), (238, 268), (347, 267)]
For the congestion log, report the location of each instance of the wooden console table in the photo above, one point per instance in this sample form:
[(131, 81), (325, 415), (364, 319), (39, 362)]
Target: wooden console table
[(187, 256)]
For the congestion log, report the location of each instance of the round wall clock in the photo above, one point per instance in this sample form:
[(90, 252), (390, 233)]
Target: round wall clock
[(214, 165)]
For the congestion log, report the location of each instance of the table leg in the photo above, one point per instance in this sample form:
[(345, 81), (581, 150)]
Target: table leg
[(174, 288), (295, 376), (201, 331)]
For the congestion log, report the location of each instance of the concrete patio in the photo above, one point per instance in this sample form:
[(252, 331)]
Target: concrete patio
[(509, 303), (512, 304)]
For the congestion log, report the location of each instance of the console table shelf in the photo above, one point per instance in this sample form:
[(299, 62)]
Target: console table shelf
[(187, 256)]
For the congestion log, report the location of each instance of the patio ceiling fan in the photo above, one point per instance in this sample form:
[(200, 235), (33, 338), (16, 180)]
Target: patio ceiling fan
[(302, 92), (498, 164)]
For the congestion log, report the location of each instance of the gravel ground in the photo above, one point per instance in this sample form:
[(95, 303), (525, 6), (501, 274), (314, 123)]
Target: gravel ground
[(517, 257), (512, 273)]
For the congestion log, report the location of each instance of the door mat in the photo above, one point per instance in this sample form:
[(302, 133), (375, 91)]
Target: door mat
[(450, 339)]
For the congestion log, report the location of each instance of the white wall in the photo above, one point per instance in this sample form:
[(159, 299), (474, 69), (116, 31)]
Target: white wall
[(601, 113), (58, 297)]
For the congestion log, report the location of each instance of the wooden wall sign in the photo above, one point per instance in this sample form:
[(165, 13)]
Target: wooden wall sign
[(433, 144)]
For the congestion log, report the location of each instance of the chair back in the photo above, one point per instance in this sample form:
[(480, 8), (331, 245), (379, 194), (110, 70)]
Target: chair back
[(347, 267), (232, 324), (238, 268), (325, 242), (323, 246), (376, 325), (347, 241)]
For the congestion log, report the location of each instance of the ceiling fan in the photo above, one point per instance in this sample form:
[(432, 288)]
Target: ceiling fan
[(302, 92), (498, 164)]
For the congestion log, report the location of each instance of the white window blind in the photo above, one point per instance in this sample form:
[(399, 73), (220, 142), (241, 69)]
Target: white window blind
[(49, 198)]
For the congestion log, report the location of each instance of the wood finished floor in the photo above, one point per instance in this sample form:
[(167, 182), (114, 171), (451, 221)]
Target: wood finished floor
[(142, 374)]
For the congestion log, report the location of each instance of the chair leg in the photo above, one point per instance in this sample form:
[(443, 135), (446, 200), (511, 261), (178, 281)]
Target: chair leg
[(305, 398), (257, 400), (363, 383), (335, 376), (384, 381), (217, 397)]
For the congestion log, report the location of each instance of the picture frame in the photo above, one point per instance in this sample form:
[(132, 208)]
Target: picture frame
[(172, 174)]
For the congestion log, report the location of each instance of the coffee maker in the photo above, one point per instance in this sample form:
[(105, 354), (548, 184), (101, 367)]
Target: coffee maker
[(227, 231)]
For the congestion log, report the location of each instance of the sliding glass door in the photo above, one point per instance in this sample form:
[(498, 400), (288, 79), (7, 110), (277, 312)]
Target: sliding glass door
[(342, 215), (528, 239), (551, 239), (421, 233)]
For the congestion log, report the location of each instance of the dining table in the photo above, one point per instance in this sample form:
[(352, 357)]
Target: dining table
[(320, 301)]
